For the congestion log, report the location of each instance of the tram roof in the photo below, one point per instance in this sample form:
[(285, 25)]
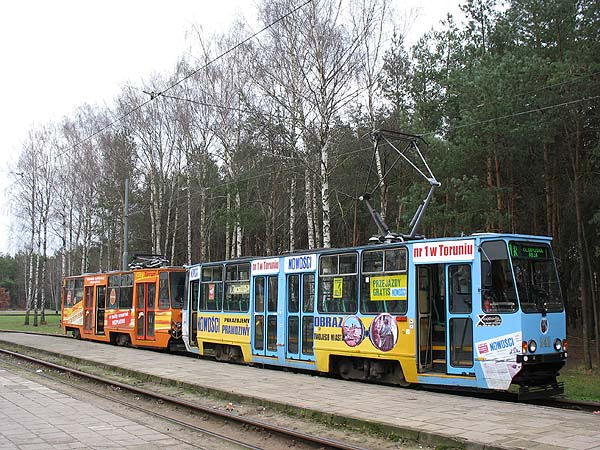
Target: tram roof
[(477, 236)]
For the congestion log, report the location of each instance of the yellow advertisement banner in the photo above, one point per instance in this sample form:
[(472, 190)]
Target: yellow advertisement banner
[(338, 287), (390, 287)]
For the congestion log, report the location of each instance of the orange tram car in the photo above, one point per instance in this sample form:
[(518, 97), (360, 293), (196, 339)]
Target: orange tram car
[(140, 307)]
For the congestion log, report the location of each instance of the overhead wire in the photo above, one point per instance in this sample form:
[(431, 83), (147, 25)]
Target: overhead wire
[(154, 95), (520, 113)]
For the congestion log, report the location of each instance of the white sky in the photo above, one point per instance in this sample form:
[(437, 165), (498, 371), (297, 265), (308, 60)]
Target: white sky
[(57, 55)]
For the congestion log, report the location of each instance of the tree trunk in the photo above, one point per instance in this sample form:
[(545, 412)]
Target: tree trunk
[(325, 195), (548, 191), (383, 185), (238, 226), (228, 227), (490, 185), (292, 243), (189, 220), (308, 199), (583, 271)]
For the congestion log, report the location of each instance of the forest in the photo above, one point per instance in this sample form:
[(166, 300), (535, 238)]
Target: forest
[(259, 143)]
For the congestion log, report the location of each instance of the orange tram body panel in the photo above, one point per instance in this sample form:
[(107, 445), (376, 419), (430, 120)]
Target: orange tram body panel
[(141, 307)]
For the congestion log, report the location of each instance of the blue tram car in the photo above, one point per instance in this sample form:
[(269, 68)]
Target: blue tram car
[(483, 311)]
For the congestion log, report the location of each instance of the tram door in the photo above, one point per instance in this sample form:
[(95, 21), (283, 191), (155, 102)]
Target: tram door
[(424, 319), (146, 299), (459, 321), (265, 315), (300, 316), (431, 294), (100, 306), (88, 308)]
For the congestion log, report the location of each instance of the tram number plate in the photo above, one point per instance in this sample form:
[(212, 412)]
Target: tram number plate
[(545, 342)]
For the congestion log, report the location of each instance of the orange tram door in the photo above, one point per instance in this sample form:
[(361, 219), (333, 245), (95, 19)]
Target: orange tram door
[(140, 307)]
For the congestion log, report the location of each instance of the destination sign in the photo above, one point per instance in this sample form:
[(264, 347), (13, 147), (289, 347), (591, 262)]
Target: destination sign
[(526, 250)]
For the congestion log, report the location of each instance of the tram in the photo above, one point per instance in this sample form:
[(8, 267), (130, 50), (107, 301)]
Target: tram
[(483, 311), (140, 307)]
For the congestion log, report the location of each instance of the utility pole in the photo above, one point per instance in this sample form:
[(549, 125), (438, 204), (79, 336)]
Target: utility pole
[(126, 226)]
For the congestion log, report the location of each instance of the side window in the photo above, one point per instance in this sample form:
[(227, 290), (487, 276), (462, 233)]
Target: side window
[(308, 293), (293, 293), (237, 288), (498, 294), (459, 284), (126, 295), (338, 282), (211, 288), (163, 290), (69, 293), (384, 281), (114, 283), (78, 294), (194, 288)]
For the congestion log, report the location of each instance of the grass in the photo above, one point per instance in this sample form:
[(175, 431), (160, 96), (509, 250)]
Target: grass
[(580, 383), (15, 322)]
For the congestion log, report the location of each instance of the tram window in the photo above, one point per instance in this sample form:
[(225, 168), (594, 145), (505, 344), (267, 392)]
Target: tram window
[(338, 284), (273, 294), (237, 288), (384, 281), (537, 281), (308, 293), (259, 334), (498, 294), (78, 293), (114, 282), (69, 293), (163, 290), (140, 296), (194, 288), (395, 260), (461, 342), (293, 294), (460, 288), (259, 294), (272, 333), (211, 288), (126, 295), (177, 280), (293, 334), (307, 335)]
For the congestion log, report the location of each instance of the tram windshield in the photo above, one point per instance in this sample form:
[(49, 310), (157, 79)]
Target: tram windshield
[(498, 294), (535, 274)]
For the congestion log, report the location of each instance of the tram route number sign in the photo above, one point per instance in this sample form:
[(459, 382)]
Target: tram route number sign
[(489, 320)]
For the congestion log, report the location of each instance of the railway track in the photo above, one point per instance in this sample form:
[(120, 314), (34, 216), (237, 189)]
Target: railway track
[(563, 403), (286, 433)]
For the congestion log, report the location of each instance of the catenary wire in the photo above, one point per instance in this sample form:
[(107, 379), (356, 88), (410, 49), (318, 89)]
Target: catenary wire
[(154, 95)]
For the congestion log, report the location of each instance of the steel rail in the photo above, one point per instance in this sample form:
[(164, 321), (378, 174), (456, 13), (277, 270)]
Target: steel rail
[(283, 431)]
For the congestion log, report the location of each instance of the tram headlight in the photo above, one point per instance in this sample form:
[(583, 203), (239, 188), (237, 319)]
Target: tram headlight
[(532, 346), (558, 345)]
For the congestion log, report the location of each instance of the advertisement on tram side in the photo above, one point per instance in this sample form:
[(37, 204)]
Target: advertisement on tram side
[(74, 315), (383, 333), (224, 328)]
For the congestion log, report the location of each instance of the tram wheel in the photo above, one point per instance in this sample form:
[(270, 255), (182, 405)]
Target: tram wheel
[(76, 333)]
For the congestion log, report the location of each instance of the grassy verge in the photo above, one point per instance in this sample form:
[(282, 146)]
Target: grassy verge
[(15, 322), (580, 383)]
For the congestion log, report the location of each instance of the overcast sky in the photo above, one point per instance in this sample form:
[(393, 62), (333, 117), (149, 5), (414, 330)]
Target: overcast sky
[(57, 55)]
